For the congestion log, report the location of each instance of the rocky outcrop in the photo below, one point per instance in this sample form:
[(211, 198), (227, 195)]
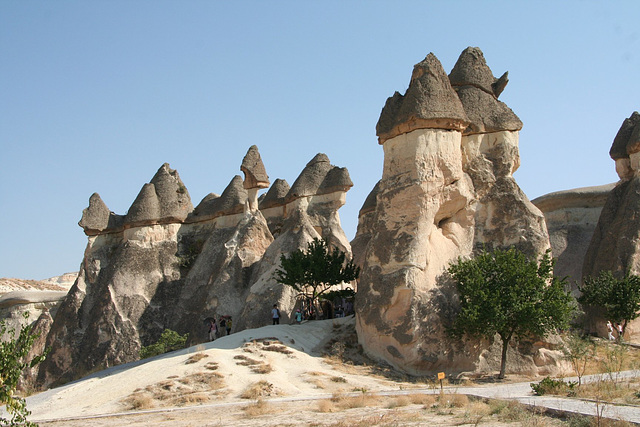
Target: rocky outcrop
[(571, 218), (170, 266), (446, 188), (615, 245)]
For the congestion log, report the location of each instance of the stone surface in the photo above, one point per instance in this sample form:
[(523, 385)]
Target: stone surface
[(163, 200), (95, 218), (478, 91), (255, 175), (429, 102), (615, 245), (571, 218), (442, 195), (623, 144), (170, 271)]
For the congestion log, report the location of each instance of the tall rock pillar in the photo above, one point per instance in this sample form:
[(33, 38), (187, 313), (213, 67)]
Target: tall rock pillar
[(423, 220)]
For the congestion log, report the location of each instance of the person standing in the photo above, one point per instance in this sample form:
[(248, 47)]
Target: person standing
[(213, 329), (610, 330), (298, 316), (229, 323), (275, 315)]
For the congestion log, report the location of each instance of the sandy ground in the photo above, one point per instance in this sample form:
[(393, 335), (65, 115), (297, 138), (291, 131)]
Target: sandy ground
[(275, 375)]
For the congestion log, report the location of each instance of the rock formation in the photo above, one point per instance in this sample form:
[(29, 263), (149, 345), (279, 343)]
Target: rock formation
[(571, 218), (615, 245), (166, 265), (450, 149)]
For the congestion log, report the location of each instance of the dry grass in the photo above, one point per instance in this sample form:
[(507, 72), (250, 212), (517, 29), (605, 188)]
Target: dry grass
[(327, 406), (258, 408), (212, 366), (139, 400), (338, 379), (195, 358), (246, 361), (398, 401), (427, 400), (192, 389), (257, 390), (278, 349), (350, 402), (453, 400), (263, 368)]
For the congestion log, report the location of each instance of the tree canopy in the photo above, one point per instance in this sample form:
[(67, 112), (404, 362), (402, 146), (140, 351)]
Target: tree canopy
[(619, 298), (503, 292), (316, 270)]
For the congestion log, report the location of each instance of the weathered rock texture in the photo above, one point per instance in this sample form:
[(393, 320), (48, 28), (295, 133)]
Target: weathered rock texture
[(166, 265), (571, 218), (615, 245), (447, 188)]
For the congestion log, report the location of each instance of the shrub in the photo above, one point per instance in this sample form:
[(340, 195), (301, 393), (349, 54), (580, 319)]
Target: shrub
[(14, 354), (550, 386), (168, 341)]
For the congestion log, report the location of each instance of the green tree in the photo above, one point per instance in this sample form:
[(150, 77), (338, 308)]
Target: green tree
[(505, 293), (14, 360), (316, 270), (619, 298), (168, 341)]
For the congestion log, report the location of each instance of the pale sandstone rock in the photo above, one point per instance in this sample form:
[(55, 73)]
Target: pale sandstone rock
[(442, 195), (571, 217)]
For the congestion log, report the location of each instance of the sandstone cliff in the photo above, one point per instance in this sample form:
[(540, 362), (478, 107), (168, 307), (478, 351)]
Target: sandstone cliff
[(450, 149), (167, 265), (615, 244)]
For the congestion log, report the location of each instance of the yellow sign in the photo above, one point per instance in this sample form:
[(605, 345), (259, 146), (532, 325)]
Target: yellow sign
[(440, 375)]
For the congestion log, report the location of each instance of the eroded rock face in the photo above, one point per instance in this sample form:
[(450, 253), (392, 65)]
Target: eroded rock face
[(446, 189), (169, 267), (571, 218), (615, 245)]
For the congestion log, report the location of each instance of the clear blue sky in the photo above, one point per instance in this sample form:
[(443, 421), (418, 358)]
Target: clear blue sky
[(96, 95)]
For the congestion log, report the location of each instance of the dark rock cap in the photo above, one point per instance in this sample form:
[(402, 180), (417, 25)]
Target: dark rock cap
[(310, 179), (165, 199), (471, 69), (337, 179), (255, 175), (145, 208), (95, 218), (478, 91), (429, 103), (230, 202), (627, 140), (276, 195)]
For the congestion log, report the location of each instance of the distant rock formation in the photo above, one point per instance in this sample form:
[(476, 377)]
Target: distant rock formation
[(571, 218), (450, 149), (167, 265), (615, 245)]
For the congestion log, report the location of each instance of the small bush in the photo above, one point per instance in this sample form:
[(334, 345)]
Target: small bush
[(257, 390), (557, 387), (258, 408), (168, 341)]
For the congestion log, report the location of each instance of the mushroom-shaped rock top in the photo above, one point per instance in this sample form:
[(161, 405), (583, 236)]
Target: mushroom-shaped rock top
[(429, 102), (310, 178), (95, 218), (231, 201), (478, 91), (627, 140), (276, 195), (164, 199), (255, 175), (471, 69)]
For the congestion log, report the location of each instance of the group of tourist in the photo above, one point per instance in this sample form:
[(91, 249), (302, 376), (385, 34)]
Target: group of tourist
[(218, 329)]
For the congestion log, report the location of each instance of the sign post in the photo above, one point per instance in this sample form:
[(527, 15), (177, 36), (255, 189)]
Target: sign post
[(440, 377)]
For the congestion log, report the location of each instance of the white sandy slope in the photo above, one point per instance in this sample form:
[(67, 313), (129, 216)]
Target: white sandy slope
[(296, 374)]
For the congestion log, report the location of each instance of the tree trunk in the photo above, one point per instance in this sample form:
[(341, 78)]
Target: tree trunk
[(503, 362)]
